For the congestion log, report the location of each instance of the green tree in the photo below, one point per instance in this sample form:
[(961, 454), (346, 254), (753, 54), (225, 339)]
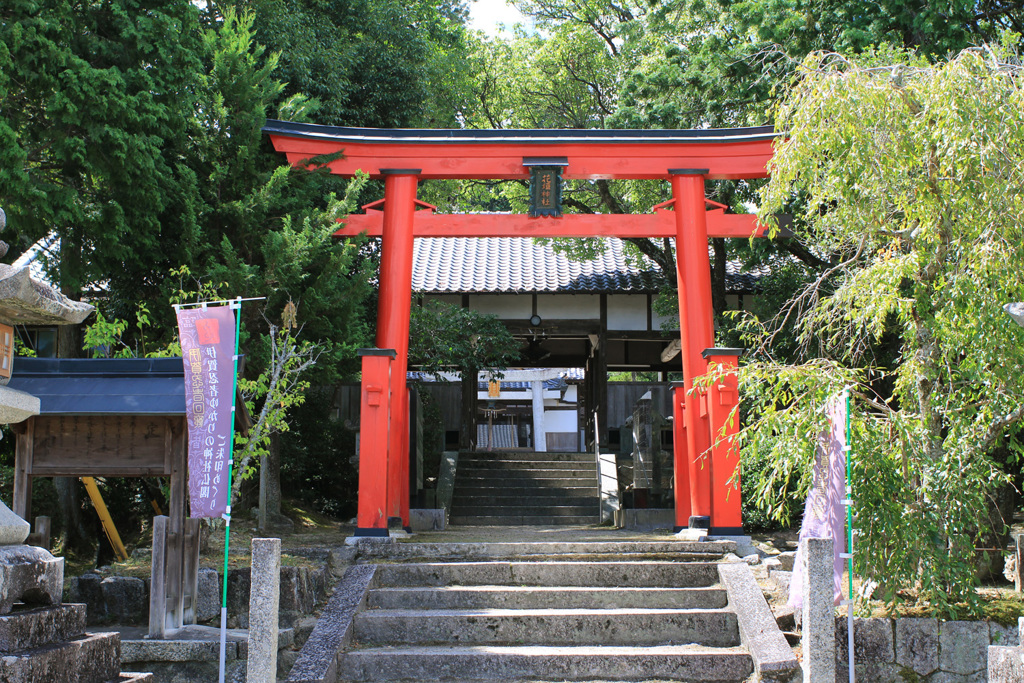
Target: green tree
[(910, 173), (379, 63), (94, 99), (443, 337), (679, 64)]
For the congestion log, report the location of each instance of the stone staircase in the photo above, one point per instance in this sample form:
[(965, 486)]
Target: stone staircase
[(618, 616), (525, 488)]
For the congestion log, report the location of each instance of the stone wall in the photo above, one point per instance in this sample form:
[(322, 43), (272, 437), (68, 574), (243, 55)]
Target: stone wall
[(124, 600), (920, 650)]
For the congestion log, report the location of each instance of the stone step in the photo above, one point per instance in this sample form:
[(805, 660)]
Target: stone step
[(536, 597), (561, 492), (498, 456), (591, 508), (535, 498), (547, 551), (525, 472), (534, 663), (35, 627), (490, 465), (525, 520), (505, 482), (598, 574), (84, 659), (495, 626)]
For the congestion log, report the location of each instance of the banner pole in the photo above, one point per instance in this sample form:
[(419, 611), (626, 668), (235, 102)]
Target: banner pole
[(849, 542), (236, 305)]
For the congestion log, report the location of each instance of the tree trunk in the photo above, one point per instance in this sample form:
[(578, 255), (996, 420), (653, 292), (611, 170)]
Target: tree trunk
[(77, 536), (270, 517), (274, 476), (467, 430)]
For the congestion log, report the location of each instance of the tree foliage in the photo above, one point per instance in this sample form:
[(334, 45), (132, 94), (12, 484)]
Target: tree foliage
[(93, 103), (379, 63), (910, 176), (443, 337)]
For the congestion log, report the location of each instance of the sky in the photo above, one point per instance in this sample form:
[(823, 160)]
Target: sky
[(487, 15)]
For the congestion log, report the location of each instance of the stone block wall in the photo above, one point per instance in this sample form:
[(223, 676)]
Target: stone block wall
[(124, 600), (919, 650)]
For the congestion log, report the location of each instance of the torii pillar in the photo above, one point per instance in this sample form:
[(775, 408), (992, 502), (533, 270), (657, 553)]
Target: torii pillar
[(703, 461), (393, 311), (697, 332)]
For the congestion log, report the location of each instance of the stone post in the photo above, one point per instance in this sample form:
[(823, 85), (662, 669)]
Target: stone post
[(264, 596), (819, 625), (540, 441)]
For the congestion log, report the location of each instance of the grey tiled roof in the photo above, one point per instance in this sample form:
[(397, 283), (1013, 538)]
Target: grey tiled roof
[(458, 265)]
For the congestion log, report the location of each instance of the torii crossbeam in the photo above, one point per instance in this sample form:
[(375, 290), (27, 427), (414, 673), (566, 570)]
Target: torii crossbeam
[(705, 456)]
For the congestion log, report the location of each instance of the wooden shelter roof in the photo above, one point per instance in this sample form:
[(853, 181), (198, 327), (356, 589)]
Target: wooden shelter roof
[(108, 386)]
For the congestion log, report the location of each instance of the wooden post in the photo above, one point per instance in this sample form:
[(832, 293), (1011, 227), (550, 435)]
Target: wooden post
[(43, 531), (601, 390), (190, 580), (157, 580), (22, 503), (175, 526)]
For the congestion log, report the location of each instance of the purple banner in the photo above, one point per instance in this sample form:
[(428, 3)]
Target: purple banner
[(208, 350), (825, 514)]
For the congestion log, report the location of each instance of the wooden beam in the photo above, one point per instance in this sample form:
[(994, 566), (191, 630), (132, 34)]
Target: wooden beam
[(22, 502), (661, 223), (105, 519), (157, 580), (176, 526), (504, 160), (190, 580)]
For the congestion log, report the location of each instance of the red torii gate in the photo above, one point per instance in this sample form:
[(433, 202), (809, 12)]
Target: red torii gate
[(704, 493)]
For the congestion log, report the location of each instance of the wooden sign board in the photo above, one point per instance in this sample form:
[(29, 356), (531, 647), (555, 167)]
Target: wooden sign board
[(6, 350)]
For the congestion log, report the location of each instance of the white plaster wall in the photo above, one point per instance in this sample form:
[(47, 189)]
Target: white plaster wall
[(505, 306), (656, 321), (627, 311), (570, 394), (560, 421), (568, 307)]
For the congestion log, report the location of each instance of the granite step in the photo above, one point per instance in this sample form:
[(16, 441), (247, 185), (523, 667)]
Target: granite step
[(491, 465), (498, 456), (525, 473), (535, 597), (525, 520), (543, 662), (550, 551), (596, 574), (499, 626), (590, 508), (559, 492), (83, 659), (502, 483), (500, 498)]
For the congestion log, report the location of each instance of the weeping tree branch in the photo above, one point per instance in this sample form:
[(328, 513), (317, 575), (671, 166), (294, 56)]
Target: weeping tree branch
[(281, 386)]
